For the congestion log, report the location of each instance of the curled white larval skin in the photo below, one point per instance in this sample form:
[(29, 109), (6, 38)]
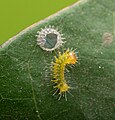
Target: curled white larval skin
[(41, 37)]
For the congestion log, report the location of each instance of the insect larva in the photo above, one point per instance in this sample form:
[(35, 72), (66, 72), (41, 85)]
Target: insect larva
[(58, 69)]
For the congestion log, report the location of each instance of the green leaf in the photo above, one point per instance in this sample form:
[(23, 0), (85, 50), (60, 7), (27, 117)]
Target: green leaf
[(26, 92)]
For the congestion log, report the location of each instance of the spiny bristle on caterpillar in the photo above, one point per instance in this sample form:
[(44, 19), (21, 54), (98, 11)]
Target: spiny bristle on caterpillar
[(68, 57)]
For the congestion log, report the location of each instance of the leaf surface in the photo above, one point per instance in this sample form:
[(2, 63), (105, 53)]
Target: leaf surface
[(26, 91)]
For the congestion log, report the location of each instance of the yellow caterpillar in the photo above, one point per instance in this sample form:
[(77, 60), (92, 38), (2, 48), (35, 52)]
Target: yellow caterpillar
[(59, 64)]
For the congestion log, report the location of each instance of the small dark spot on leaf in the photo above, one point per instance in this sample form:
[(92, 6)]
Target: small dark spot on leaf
[(107, 38)]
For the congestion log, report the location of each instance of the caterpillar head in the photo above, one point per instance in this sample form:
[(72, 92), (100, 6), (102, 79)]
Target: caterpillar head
[(72, 58)]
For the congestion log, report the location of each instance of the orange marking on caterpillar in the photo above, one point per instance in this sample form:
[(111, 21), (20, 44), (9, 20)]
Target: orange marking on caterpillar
[(68, 57)]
